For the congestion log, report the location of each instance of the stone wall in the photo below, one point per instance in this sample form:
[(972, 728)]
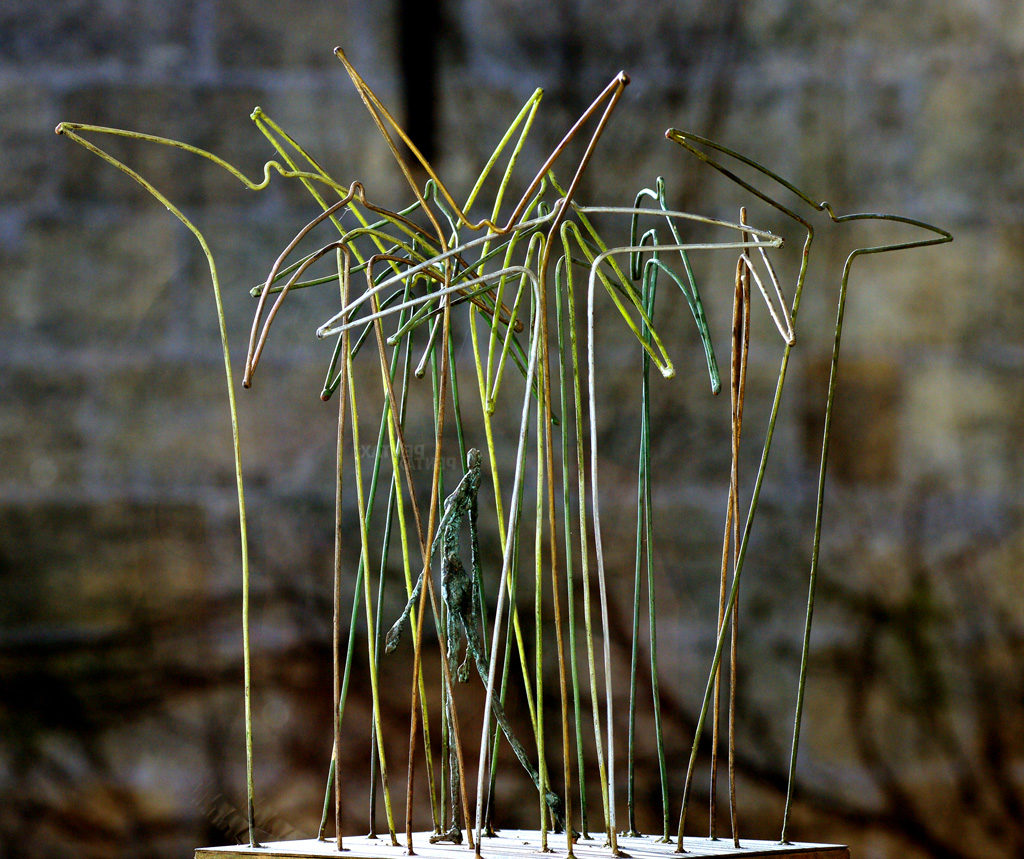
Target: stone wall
[(120, 710)]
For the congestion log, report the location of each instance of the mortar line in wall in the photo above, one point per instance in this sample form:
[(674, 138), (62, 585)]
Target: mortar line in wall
[(127, 77), (211, 499)]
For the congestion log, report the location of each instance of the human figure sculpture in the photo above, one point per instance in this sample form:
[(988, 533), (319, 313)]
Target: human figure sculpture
[(460, 593)]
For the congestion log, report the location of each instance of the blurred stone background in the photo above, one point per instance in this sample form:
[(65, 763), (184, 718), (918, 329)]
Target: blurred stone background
[(120, 672)]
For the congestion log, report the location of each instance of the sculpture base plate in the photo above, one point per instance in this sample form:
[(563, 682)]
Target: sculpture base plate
[(520, 844)]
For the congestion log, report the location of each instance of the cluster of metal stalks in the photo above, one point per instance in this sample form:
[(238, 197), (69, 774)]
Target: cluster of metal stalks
[(426, 277)]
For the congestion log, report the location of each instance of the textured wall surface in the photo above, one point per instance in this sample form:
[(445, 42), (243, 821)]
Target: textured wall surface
[(120, 667)]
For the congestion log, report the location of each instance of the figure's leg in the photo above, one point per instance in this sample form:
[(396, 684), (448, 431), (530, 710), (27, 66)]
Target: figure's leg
[(458, 596), (454, 832), (452, 626), (454, 785), (552, 799)]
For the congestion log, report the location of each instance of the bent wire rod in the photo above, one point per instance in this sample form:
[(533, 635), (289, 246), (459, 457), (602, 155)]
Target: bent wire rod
[(69, 129), (773, 241), (258, 338), (331, 326), (611, 93), (423, 299), (689, 142), (740, 343), (761, 239), (513, 525)]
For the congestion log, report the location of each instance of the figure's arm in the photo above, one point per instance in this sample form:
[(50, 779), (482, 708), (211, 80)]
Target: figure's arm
[(395, 633)]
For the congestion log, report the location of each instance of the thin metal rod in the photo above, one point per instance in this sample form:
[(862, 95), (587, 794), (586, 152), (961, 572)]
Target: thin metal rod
[(338, 540), (513, 527)]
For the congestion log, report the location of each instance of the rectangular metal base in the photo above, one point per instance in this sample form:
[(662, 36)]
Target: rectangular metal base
[(520, 844)]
